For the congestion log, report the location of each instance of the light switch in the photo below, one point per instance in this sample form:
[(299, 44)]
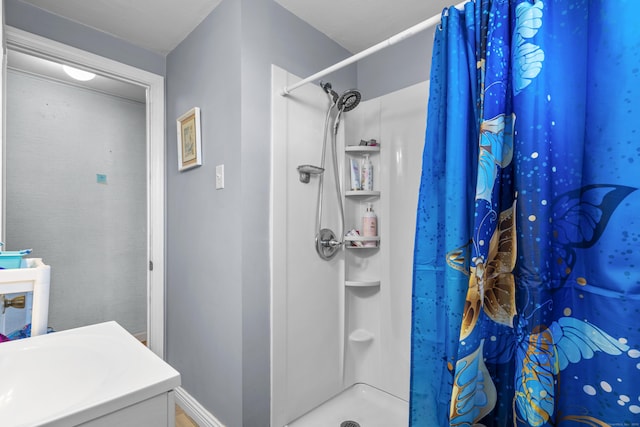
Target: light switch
[(219, 177)]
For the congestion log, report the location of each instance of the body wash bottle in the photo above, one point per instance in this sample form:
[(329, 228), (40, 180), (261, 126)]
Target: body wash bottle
[(367, 174), (370, 226)]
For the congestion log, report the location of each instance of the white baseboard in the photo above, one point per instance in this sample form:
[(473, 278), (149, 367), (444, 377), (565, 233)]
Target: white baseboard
[(195, 410)]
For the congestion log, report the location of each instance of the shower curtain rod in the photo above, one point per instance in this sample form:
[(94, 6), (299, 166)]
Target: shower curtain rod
[(421, 26)]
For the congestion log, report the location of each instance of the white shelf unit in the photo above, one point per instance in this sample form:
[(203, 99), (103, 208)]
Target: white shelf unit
[(362, 148), (361, 285), (362, 239), (35, 277), (359, 150), (361, 336), (362, 193)]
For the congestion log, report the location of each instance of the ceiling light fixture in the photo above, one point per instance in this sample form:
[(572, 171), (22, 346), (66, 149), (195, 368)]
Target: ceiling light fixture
[(81, 75)]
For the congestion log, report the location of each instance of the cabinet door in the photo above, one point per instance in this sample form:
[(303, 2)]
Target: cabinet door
[(155, 412)]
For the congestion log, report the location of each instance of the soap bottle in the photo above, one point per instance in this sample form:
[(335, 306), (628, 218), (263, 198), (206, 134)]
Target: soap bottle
[(370, 225), (367, 174)]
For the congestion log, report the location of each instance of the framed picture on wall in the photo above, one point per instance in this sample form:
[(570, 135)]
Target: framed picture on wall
[(189, 145)]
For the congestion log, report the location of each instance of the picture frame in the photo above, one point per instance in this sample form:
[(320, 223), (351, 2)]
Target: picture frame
[(189, 140)]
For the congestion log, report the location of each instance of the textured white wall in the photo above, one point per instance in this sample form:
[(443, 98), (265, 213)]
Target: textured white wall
[(93, 235)]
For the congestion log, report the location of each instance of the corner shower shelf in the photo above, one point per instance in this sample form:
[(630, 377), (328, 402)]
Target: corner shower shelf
[(362, 239), (362, 148), (361, 336), (362, 284), (355, 193)]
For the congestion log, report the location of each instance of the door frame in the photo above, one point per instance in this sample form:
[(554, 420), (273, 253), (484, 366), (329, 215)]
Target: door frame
[(19, 40)]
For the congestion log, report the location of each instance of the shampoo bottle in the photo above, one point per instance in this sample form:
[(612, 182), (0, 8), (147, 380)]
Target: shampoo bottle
[(355, 175), (369, 225), (367, 174)]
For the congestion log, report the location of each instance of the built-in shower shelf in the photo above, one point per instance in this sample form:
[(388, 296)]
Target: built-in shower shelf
[(361, 336), (362, 284), (353, 242), (362, 193), (362, 148)]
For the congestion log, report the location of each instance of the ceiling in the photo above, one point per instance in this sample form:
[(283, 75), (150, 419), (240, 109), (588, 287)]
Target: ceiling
[(156, 25), (160, 25), (359, 24)]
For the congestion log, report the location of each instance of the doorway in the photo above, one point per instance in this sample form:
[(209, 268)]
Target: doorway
[(149, 169)]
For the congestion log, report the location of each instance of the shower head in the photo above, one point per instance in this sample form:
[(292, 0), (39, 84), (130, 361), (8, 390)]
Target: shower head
[(327, 88), (349, 100)]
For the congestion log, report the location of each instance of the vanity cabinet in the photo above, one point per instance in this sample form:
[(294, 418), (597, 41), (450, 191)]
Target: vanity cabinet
[(93, 376), (158, 411)]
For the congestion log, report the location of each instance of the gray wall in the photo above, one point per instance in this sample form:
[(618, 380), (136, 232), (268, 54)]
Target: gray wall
[(218, 240), (270, 34), (396, 67), (93, 235), (204, 277)]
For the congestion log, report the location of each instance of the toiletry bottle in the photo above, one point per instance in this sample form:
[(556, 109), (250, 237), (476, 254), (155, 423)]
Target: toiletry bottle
[(370, 225), (367, 174), (355, 175)]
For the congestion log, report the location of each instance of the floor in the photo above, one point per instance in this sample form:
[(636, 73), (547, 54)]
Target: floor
[(183, 420)]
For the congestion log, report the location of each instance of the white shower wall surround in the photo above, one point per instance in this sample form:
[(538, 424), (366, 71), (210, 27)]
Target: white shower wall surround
[(319, 324)]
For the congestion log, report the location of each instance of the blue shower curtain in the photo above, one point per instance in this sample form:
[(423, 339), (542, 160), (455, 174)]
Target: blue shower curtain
[(526, 290)]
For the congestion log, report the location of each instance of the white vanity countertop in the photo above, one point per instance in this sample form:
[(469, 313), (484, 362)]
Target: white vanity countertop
[(70, 377)]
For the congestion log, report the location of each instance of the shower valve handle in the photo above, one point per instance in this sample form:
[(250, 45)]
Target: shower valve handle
[(333, 243)]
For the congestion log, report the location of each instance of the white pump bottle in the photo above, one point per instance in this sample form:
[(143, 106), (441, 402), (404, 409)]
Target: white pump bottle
[(369, 225), (367, 174)]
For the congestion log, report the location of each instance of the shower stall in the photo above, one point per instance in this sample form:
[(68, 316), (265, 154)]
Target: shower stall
[(340, 325)]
